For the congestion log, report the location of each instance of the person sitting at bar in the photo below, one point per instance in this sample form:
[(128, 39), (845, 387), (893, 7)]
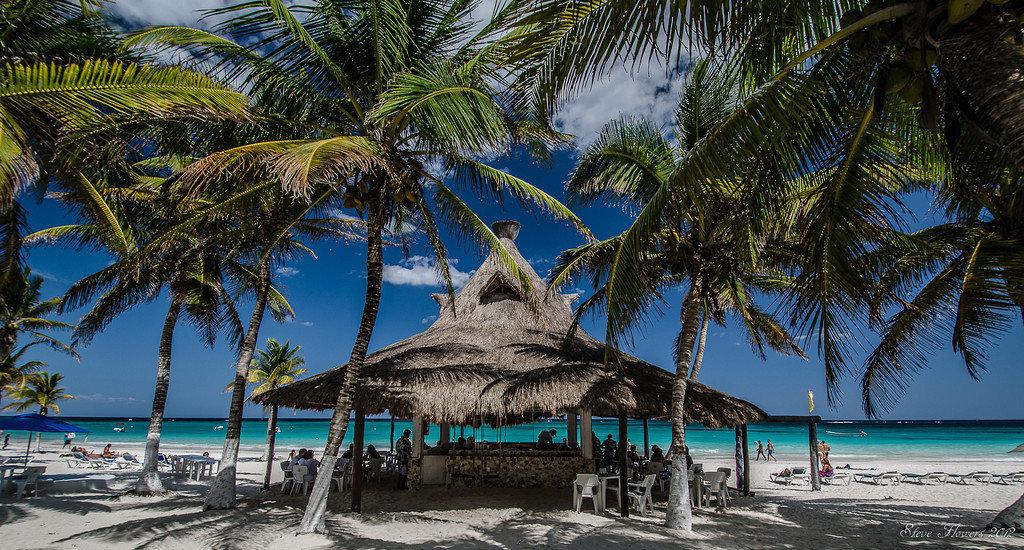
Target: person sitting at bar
[(657, 463), (610, 452), (546, 439), (376, 462), (461, 443), (348, 453)]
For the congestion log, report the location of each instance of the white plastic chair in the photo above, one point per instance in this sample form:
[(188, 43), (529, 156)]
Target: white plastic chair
[(286, 485), (587, 486), (640, 494), (31, 479), (716, 484), (299, 473)]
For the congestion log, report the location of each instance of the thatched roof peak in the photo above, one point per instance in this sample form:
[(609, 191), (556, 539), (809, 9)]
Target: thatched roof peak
[(498, 351)]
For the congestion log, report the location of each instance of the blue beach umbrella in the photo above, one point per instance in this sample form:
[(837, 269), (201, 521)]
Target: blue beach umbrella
[(35, 422)]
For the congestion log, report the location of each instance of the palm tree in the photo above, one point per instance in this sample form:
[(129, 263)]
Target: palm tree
[(122, 220), (274, 366), (709, 242), (42, 390), (62, 76), (24, 312), (270, 230), (373, 95), (14, 373), (958, 282), (864, 96)]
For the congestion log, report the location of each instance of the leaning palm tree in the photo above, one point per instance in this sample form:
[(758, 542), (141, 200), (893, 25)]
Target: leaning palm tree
[(374, 95), (707, 242), (268, 231), (121, 220), (24, 312), (274, 366)]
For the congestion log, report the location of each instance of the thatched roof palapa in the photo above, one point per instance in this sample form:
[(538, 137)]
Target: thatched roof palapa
[(499, 356)]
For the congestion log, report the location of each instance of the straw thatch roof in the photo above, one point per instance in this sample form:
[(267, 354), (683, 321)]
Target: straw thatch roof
[(499, 357)]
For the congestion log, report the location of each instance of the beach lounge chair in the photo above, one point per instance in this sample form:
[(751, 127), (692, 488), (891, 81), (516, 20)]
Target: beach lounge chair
[(971, 478), (640, 494), (884, 478), (1012, 477), (838, 478), (28, 479), (587, 486), (789, 475), (930, 477), (78, 460)]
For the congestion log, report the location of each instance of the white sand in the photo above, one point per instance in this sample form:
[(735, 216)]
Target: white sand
[(858, 516)]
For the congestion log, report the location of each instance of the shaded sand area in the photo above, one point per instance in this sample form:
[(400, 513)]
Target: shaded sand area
[(859, 516)]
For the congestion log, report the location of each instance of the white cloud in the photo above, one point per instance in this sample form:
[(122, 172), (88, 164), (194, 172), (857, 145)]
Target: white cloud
[(420, 271), (165, 12), (306, 323), (650, 93), (286, 271), (428, 319)]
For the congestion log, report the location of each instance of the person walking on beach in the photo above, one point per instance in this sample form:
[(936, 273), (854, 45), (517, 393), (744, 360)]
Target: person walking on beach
[(403, 451), (771, 451), (69, 438), (760, 451)]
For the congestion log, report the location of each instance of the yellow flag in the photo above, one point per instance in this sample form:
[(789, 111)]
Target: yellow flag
[(810, 401)]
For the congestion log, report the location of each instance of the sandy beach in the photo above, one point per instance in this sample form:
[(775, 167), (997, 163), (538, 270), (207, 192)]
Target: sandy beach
[(858, 516)]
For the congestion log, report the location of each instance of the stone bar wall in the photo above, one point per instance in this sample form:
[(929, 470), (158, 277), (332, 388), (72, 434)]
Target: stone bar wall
[(515, 468)]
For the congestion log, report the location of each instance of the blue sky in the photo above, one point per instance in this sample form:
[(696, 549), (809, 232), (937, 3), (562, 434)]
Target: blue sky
[(116, 373)]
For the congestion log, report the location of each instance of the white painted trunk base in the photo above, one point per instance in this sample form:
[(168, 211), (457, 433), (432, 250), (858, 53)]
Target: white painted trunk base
[(316, 509), (149, 480), (222, 490)]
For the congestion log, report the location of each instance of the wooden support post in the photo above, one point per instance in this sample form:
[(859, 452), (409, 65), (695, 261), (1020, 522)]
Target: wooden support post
[(812, 436), (571, 437), (586, 429), (357, 461), (746, 463), (392, 432), (623, 468), (417, 435), (647, 440), (462, 430), (740, 471), (446, 435)]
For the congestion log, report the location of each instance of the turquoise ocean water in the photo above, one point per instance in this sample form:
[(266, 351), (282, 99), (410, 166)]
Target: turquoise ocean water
[(885, 439)]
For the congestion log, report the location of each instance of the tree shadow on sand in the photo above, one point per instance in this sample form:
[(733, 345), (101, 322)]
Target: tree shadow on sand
[(517, 518)]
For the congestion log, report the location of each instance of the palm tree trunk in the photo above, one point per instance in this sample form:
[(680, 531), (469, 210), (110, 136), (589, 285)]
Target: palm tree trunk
[(271, 437), (313, 519), (1011, 517), (698, 360), (222, 491), (149, 480), (679, 514)]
